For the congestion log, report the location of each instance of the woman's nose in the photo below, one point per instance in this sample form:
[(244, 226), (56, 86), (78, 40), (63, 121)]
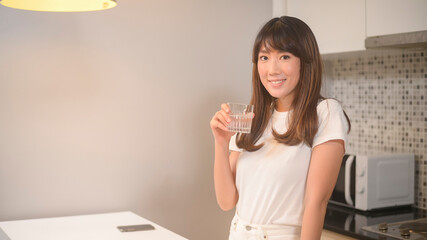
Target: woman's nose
[(274, 68)]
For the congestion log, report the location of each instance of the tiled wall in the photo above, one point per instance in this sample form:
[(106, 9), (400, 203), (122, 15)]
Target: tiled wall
[(384, 94)]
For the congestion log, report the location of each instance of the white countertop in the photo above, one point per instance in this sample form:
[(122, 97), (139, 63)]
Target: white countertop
[(84, 227)]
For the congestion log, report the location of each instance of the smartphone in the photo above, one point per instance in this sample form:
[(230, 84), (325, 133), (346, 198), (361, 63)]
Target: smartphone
[(134, 228)]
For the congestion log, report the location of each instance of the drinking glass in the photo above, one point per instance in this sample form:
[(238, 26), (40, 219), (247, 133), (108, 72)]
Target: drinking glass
[(241, 116)]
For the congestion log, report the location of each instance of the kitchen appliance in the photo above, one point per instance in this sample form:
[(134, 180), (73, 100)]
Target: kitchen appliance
[(412, 230), (368, 182), (399, 40)]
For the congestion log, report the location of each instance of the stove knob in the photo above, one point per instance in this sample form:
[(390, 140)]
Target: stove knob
[(383, 227), (405, 232)]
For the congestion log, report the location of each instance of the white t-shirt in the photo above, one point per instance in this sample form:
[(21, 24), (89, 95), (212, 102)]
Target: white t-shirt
[(271, 181)]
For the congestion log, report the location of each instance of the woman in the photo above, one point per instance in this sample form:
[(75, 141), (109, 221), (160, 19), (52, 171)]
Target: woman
[(281, 175)]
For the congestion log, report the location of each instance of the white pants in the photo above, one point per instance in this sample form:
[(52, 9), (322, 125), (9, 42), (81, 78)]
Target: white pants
[(241, 230)]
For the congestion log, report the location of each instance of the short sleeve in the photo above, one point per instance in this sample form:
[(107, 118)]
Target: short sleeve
[(233, 146), (332, 122)]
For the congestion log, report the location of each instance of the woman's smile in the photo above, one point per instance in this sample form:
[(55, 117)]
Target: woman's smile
[(275, 83)]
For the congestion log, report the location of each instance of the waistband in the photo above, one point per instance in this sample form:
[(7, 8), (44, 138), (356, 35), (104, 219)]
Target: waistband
[(266, 230)]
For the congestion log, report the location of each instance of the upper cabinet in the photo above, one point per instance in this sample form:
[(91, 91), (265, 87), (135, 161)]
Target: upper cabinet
[(343, 25), (339, 25), (395, 16)]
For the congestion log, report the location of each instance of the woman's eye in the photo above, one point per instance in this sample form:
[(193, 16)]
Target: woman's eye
[(263, 58), (285, 57)]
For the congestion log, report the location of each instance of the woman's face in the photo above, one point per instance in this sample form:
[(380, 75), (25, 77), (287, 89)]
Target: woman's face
[(279, 73)]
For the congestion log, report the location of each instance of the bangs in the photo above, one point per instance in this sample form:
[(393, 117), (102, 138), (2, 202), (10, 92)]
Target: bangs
[(276, 36), (275, 42)]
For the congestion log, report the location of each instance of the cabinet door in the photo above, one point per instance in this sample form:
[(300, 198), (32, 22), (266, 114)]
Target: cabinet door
[(339, 25), (328, 235), (395, 16)]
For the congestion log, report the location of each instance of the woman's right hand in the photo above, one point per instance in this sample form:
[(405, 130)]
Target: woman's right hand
[(219, 123)]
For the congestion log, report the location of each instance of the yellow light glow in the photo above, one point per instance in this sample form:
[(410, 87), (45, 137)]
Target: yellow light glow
[(60, 5)]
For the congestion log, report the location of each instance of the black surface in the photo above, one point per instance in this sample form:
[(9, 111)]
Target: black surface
[(349, 222)]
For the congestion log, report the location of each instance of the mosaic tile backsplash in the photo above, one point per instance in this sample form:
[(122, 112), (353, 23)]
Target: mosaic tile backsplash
[(384, 94)]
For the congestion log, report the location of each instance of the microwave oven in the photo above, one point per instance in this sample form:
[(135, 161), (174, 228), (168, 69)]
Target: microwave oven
[(368, 182)]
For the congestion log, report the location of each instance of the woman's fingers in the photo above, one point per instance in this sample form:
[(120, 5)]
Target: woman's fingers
[(220, 120), (224, 117), (225, 108), (250, 115)]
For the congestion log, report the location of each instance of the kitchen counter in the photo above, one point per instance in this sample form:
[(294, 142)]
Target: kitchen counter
[(83, 227), (349, 222)]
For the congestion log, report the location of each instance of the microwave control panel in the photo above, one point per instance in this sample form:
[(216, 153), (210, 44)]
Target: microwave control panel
[(361, 178)]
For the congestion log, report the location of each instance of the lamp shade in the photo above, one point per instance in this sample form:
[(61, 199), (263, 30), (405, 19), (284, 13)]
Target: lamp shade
[(60, 5)]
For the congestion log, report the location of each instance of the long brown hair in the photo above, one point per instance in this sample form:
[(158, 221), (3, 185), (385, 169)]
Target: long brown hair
[(287, 34)]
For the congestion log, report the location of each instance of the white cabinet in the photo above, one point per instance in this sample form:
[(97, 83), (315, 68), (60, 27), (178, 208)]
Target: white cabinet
[(395, 16), (343, 25), (328, 235), (339, 25)]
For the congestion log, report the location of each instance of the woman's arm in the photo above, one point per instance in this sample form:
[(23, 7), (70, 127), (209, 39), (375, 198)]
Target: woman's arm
[(225, 162), (224, 178), (322, 176)]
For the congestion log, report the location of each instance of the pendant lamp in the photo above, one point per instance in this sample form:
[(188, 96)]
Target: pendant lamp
[(60, 5)]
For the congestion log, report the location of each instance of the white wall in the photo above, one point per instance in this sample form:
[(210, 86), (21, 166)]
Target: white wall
[(109, 111)]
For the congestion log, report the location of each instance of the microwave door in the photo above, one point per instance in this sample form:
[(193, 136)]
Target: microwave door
[(349, 178), (344, 191)]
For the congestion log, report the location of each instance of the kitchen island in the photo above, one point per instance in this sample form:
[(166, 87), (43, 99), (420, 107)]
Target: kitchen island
[(85, 227)]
